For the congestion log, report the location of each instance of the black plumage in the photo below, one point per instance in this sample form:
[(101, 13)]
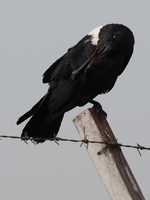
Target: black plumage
[(89, 68)]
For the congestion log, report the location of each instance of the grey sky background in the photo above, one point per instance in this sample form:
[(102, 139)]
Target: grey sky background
[(33, 34)]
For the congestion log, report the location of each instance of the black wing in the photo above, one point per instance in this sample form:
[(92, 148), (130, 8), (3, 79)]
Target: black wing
[(52, 70), (65, 91)]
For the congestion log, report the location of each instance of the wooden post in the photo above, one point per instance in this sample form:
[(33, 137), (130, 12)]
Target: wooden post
[(111, 164)]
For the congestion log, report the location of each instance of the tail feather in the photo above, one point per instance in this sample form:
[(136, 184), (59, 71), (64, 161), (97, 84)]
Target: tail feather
[(38, 131), (30, 112), (42, 124)]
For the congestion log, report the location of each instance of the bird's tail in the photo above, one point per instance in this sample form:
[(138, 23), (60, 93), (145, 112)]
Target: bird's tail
[(30, 112), (41, 125)]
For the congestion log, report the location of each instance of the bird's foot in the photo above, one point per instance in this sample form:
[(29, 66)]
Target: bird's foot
[(98, 108)]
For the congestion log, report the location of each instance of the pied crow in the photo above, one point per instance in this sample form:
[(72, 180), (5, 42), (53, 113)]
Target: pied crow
[(89, 68)]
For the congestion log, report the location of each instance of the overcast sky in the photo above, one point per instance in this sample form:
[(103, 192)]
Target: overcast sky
[(33, 34)]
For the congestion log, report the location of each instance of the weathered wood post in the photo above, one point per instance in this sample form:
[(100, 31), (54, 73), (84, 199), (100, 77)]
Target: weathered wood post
[(111, 164)]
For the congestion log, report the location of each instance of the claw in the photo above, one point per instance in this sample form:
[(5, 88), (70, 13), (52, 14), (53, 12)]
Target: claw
[(98, 108)]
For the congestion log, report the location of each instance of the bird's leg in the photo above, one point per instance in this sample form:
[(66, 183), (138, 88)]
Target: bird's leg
[(100, 112), (89, 62), (77, 71)]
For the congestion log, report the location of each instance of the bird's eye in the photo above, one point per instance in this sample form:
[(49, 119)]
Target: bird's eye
[(114, 36)]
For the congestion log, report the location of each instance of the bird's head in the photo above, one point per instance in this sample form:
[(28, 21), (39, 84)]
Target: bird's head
[(115, 38)]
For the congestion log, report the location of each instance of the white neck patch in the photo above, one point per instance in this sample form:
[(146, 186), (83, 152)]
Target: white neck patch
[(95, 35)]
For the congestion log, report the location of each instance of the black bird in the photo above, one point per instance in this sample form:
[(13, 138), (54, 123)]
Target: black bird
[(89, 68)]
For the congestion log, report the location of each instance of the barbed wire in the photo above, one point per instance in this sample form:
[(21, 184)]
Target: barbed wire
[(82, 141)]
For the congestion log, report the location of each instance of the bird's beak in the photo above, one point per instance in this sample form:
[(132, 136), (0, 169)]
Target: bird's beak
[(110, 47)]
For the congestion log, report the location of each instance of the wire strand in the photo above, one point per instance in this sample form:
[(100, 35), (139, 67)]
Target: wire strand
[(85, 141)]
